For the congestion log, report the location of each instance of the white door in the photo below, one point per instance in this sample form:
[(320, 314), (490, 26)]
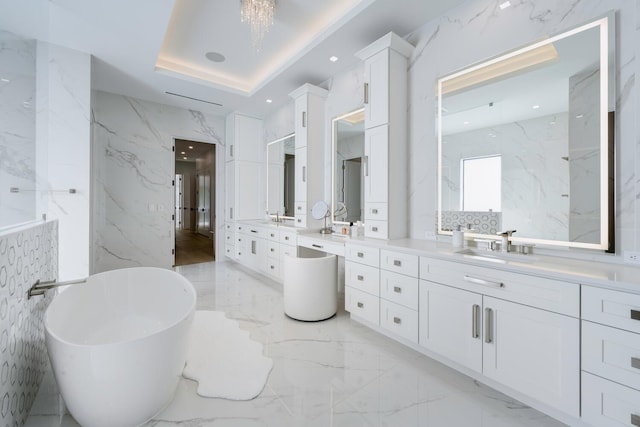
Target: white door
[(533, 351), (451, 323), (375, 166)]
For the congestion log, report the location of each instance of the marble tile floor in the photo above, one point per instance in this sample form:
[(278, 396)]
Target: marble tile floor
[(331, 373)]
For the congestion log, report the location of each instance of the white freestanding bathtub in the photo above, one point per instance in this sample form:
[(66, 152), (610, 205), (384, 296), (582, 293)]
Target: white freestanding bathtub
[(117, 344)]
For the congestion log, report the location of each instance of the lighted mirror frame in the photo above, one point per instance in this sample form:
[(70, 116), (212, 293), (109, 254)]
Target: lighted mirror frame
[(606, 25), (334, 147), (291, 135)]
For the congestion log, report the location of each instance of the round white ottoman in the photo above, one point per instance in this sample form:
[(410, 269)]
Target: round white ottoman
[(310, 288)]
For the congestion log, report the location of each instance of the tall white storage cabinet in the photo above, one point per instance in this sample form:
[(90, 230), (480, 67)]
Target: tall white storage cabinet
[(385, 168), (309, 103), (244, 174)]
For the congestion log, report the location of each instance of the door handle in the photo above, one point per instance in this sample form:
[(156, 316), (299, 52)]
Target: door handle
[(483, 282), (488, 325), (475, 316), (366, 93)]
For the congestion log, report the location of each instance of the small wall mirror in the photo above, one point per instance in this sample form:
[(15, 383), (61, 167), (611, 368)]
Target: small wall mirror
[(281, 176), (347, 179), (525, 142)]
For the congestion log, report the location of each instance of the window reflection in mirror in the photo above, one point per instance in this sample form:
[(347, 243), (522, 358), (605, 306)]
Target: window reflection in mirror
[(281, 177), (348, 151), (544, 110)]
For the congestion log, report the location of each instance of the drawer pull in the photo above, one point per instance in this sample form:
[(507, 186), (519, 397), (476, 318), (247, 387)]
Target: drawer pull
[(397, 320), (475, 321), (360, 305), (360, 255), (488, 325), (286, 237), (374, 211), (299, 208), (635, 362), (397, 289), (635, 420), (483, 282), (254, 231), (360, 278), (272, 235), (272, 249), (374, 229), (635, 315), (397, 263), (272, 267), (316, 246)]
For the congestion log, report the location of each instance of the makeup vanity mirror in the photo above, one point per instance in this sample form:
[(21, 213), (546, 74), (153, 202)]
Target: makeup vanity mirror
[(281, 177), (347, 183), (525, 142)]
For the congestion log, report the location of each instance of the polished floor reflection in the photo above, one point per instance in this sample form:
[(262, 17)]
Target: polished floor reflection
[(331, 373), (192, 248)]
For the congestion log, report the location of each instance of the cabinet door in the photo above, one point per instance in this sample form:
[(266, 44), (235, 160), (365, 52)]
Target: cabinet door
[(301, 176), (376, 72), (534, 351), (248, 185), (229, 195), (248, 139), (450, 323), (376, 143)]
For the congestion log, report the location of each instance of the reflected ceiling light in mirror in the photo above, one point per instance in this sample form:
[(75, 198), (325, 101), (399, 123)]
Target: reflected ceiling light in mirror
[(4, 80), (269, 101), (505, 5), (354, 118), (333, 59), (535, 107), (500, 68)]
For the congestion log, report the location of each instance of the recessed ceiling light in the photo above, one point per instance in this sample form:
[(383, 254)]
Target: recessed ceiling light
[(552, 123), (465, 123), (191, 147), (215, 57), (4, 80), (185, 158), (535, 107), (333, 58), (492, 135), (579, 116), (269, 101), (505, 5)]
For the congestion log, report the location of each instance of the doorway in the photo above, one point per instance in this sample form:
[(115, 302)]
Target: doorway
[(194, 202)]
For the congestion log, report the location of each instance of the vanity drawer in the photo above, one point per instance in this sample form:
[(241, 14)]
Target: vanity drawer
[(230, 238), (254, 231), (375, 211), (229, 227), (611, 353), (399, 320), (362, 304), (230, 251), (301, 220), (300, 208), (289, 250), (608, 404), (273, 249), (613, 308), (363, 255), (399, 289), (288, 237), (548, 294), (362, 277), (376, 229), (274, 267), (399, 263)]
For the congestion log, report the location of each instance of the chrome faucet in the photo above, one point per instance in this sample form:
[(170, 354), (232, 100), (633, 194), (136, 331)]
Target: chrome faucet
[(505, 244)]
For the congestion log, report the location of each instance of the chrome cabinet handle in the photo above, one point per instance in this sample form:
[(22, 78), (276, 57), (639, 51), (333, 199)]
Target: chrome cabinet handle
[(374, 229), (231, 213), (254, 231), (475, 317), (635, 315), (360, 255), (253, 247), (272, 249), (231, 150), (397, 320), (304, 174), (286, 237), (488, 325), (316, 246), (397, 263), (635, 362), (366, 93), (360, 278), (397, 289), (374, 211), (272, 267), (366, 165), (272, 235), (304, 119), (360, 305), (483, 282), (635, 420)]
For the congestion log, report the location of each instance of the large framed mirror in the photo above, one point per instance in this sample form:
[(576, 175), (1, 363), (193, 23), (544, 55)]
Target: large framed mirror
[(347, 182), (525, 142), (281, 177)]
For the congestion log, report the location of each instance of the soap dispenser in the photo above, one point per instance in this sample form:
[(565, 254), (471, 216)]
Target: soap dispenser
[(458, 237)]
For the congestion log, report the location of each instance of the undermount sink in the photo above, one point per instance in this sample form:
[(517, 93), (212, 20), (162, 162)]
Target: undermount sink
[(497, 257)]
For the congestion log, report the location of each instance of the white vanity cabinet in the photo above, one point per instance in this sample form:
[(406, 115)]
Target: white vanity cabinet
[(385, 148), (362, 282), (518, 330), (309, 126), (610, 357), (230, 240)]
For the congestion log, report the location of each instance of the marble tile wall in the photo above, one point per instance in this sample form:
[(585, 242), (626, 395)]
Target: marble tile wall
[(479, 29), (27, 254), (132, 172), (17, 129)]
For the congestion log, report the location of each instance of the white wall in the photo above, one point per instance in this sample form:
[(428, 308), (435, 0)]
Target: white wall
[(133, 169)]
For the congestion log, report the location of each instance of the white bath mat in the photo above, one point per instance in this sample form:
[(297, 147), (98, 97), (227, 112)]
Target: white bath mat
[(224, 360)]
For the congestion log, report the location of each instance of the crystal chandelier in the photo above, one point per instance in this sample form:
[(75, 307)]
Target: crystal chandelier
[(259, 15)]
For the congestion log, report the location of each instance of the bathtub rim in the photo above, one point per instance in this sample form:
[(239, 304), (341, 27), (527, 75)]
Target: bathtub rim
[(188, 313)]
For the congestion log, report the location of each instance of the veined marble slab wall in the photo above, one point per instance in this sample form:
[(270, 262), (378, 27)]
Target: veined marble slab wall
[(133, 169), (535, 176), (27, 254), (479, 29), (17, 129)]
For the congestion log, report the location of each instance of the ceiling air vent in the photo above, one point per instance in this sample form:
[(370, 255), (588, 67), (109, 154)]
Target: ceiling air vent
[(194, 99)]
